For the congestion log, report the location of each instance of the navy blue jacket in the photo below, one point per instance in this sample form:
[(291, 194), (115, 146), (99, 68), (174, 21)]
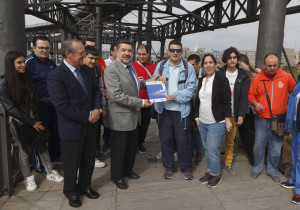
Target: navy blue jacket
[(72, 104), (241, 88), (38, 72)]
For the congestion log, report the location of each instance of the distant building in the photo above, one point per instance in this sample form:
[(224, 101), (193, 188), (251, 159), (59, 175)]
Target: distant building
[(251, 55), (290, 52), (297, 57)]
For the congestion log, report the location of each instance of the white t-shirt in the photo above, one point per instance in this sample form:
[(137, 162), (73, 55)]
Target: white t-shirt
[(232, 78), (108, 61), (205, 95)]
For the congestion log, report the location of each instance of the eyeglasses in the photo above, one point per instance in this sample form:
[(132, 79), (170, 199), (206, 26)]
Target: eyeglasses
[(43, 48), (175, 50)]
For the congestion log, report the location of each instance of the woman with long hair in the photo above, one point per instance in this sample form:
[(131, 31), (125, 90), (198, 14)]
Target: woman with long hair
[(18, 98), (213, 112), (247, 130)]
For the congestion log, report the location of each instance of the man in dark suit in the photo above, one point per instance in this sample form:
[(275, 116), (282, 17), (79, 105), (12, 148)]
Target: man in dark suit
[(78, 104), (123, 87)]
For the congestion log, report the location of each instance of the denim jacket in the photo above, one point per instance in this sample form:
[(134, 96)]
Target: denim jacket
[(185, 90)]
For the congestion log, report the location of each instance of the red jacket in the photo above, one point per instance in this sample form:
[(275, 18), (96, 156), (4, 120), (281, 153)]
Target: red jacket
[(102, 66), (277, 88), (141, 72)]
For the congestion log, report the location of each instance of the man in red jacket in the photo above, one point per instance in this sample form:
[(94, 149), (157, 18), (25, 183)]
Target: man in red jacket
[(144, 70), (278, 84)]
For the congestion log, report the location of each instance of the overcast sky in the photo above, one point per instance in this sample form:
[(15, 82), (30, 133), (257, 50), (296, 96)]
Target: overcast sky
[(244, 36)]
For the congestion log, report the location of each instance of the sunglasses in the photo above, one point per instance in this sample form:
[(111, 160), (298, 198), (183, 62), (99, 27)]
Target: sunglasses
[(175, 50)]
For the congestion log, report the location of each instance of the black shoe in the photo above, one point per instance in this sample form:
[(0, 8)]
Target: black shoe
[(121, 184), (74, 200), (90, 193), (105, 147), (296, 199), (141, 149), (133, 175), (198, 159), (287, 185)]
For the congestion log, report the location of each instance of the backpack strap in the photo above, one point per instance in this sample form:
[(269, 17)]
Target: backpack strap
[(161, 68), (186, 67)]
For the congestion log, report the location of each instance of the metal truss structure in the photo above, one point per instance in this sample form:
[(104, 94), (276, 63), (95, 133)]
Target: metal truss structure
[(79, 19)]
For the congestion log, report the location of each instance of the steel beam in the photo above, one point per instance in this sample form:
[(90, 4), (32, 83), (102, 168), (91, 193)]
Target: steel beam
[(6, 185), (162, 49), (149, 27), (12, 28), (271, 29), (140, 22), (98, 27)]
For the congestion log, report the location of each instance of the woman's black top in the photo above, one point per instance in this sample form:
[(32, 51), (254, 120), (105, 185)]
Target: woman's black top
[(221, 97)]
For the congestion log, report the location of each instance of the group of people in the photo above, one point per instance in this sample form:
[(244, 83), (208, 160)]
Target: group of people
[(59, 110)]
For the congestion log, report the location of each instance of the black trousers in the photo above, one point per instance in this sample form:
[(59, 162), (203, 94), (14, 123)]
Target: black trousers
[(145, 122), (48, 116), (174, 130), (247, 131), (79, 154), (123, 152)]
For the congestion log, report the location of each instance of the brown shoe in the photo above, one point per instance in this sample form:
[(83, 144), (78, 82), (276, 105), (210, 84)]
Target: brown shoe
[(214, 181), (205, 178)]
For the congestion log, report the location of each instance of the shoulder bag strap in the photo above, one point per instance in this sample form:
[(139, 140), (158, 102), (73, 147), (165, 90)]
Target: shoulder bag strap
[(268, 99), (144, 68)]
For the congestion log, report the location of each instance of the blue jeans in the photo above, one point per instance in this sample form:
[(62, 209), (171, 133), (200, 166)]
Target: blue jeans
[(295, 179), (263, 136), (212, 136), (196, 142)]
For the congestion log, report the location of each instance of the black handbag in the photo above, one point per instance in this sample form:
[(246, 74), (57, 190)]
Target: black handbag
[(30, 137), (278, 120)]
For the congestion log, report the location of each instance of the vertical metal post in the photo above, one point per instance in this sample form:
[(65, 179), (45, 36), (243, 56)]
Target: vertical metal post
[(55, 50), (12, 28), (271, 29), (6, 185), (140, 22), (162, 49), (149, 27), (63, 35), (12, 36), (99, 28), (134, 51), (69, 35)]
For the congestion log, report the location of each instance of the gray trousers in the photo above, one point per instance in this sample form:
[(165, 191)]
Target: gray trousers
[(23, 157)]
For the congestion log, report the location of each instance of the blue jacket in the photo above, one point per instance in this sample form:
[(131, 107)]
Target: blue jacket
[(39, 73), (185, 90)]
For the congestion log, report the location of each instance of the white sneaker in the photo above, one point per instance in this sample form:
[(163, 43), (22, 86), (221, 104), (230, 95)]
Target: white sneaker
[(175, 156), (55, 176), (158, 156), (30, 183), (99, 164)]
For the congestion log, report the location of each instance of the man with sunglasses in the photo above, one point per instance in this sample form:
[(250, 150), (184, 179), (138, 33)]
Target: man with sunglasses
[(174, 121), (39, 65)]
